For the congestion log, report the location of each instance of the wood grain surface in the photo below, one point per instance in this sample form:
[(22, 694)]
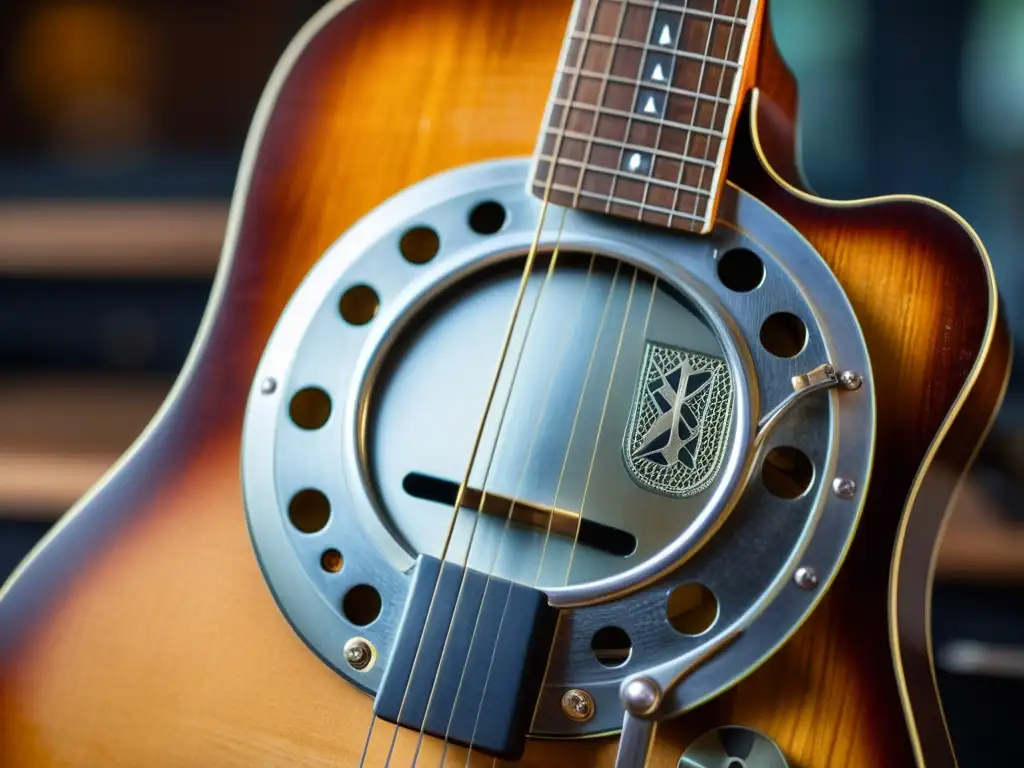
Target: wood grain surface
[(143, 632)]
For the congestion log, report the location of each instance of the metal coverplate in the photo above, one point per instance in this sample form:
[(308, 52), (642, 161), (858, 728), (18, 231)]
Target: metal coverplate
[(408, 387)]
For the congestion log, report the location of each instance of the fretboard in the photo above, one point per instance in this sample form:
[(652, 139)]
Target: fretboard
[(643, 107)]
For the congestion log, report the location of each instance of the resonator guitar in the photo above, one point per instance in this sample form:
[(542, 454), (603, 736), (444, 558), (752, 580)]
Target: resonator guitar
[(541, 414)]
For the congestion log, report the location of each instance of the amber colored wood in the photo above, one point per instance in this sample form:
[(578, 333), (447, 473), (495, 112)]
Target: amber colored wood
[(143, 632)]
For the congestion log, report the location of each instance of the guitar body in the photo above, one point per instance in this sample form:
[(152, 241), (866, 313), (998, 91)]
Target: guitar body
[(141, 631)]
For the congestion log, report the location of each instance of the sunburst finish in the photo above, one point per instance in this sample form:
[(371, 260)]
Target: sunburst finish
[(142, 632)]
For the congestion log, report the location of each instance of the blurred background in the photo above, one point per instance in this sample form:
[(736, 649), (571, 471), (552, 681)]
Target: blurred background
[(121, 129)]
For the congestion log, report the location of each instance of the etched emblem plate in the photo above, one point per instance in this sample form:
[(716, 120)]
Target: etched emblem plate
[(680, 418)]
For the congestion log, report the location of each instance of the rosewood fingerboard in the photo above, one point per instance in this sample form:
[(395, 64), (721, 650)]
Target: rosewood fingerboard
[(642, 109)]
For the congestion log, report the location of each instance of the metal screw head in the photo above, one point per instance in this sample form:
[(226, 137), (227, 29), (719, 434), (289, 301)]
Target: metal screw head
[(577, 705), (358, 654), (268, 386), (806, 577), (844, 488), (850, 380), (641, 696)]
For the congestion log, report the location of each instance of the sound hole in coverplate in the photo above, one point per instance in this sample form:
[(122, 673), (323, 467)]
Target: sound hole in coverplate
[(740, 270), (691, 609), (361, 605), (787, 472), (606, 538), (331, 560), (310, 408), (784, 334), (309, 510), (359, 305), (611, 646), (487, 218), (419, 245)]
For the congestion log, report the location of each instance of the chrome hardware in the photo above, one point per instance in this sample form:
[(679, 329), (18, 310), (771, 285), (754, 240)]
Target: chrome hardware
[(578, 705), (358, 654), (822, 376), (268, 386), (641, 696), (844, 488), (851, 380), (733, 746), (806, 577)]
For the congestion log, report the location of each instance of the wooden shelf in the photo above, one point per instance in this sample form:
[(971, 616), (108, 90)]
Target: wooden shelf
[(167, 239), (58, 436)]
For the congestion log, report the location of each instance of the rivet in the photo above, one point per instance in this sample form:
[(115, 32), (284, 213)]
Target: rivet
[(806, 577), (577, 705), (358, 653), (850, 380), (844, 488), (641, 697), (268, 386)]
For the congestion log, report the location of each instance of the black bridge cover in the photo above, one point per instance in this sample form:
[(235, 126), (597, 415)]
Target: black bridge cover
[(513, 625)]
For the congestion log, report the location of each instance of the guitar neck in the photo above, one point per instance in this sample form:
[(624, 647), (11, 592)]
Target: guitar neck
[(643, 108)]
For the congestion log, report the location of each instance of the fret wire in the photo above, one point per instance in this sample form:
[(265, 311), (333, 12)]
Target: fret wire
[(610, 40), (625, 145), (629, 121), (624, 201), (645, 84), (624, 113), (693, 117), (695, 12), (557, 84), (603, 89), (657, 138), (618, 173), (744, 43)]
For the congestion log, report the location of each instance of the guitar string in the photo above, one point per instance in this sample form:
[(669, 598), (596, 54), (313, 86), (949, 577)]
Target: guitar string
[(604, 411), (647, 318), (460, 495), (527, 270), (483, 486), (734, 22), (586, 380), (515, 498)]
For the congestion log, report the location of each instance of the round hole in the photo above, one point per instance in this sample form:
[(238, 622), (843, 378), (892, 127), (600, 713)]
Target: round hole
[(309, 510), (787, 472), (692, 609), (310, 408), (331, 561), (420, 245), (611, 646), (740, 270), (361, 604), (487, 218), (784, 334), (359, 304)]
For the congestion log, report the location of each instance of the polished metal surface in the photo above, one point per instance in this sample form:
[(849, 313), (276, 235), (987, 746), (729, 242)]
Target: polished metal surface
[(641, 696), (407, 390), (577, 705), (844, 488), (806, 577), (635, 741), (359, 654), (733, 746)]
